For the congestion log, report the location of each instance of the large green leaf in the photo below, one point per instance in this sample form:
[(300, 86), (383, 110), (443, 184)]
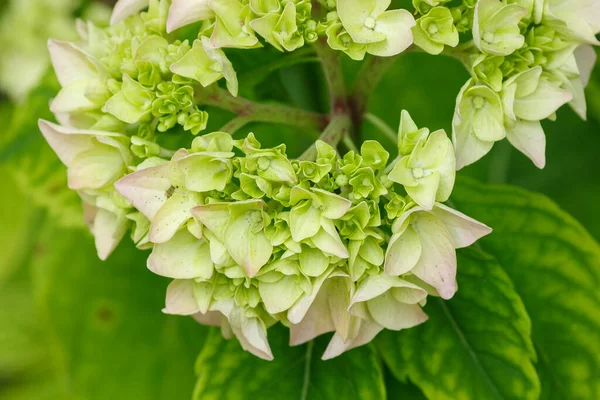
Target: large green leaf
[(475, 346), (110, 339), (555, 267), (226, 372)]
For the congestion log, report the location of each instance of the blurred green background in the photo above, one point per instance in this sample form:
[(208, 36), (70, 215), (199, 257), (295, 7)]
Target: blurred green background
[(73, 327)]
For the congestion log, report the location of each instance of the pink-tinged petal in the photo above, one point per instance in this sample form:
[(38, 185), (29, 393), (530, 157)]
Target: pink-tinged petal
[(298, 311), (585, 56), (171, 216), (463, 230), (108, 230), (180, 298), (339, 291), (437, 265), (315, 322), (213, 216), (70, 63), (211, 318), (528, 137), (367, 332), (392, 314), (185, 12), (126, 8), (146, 189), (64, 141), (255, 335)]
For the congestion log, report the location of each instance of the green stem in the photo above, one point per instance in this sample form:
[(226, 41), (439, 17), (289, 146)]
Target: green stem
[(260, 112), (365, 83), (330, 60), (349, 143), (336, 131), (382, 126), (236, 123)]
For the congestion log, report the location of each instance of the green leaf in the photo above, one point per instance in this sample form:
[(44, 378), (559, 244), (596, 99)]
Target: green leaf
[(111, 340), (475, 346), (30, 161), (227, 372), (555, 267), (78, 328)]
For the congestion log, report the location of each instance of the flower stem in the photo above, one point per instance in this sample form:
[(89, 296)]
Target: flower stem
[(236, 123), (260, 112), (330, 60), (367, 79), (336, 131), (382, 126)]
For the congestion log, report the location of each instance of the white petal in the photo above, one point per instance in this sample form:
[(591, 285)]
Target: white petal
[(108, 230), (585, 56), (367, 332), (211, 318), (66, 142), (468, 147), (70, 63), (528, 137), (392, 314), (126, 8), (463, 230), (180, 298), (437, 265), (146, 189), (255, 333), (185, 12), (315, 322)]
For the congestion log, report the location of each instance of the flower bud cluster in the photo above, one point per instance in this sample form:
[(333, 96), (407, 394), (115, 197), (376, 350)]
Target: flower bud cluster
[(348, 244), (526, 59)]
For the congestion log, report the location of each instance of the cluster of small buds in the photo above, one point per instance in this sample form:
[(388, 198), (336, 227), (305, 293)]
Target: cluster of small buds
[(526, 58)]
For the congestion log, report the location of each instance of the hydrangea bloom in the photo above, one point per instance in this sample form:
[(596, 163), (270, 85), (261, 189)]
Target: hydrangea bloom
[(350, 243)]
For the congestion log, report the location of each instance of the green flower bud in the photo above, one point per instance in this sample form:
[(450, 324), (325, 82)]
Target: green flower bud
[(132, 104), (428, 172), (434, 30), (280, 30), (478, 122), (487, 69), (496, 27)]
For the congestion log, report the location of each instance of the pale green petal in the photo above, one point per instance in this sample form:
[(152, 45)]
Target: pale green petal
[(249, 249), (281, 295), (437, 265), (146, 189), (313, 262), (305, 221), (528, 137), (392, 314), (172, 215), (180, 298), (182, 257), (403, 253), (185, 12)]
